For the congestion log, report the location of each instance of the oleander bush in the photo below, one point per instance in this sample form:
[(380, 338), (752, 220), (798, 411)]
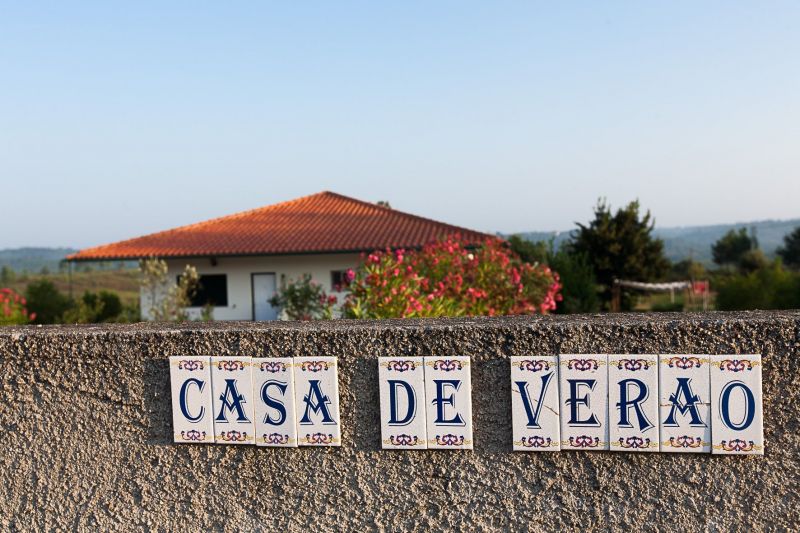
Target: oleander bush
[(447, 278), (13, 309)]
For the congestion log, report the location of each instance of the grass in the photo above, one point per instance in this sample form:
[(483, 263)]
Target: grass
[(125, 283)]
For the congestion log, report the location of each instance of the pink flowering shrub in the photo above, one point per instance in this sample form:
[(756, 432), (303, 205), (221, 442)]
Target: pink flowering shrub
[(447, 279), (12, 309)]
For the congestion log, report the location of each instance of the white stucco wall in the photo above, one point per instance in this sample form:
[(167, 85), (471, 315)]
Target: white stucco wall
[(239, 269)]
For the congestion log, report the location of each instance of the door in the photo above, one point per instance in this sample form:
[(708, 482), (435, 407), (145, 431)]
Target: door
[(263, 290)]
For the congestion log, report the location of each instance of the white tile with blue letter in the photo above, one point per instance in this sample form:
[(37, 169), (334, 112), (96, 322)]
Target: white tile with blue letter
[(273, 391), (583, 392), (737, 425), (233, 401), (685, 403), (317, 401), (633, 403), (448, 393), (401, 382), (192, 417), (534, 403)]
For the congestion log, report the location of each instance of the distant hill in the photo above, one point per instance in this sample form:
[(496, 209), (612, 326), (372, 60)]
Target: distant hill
[(696, 241), (34, 259)]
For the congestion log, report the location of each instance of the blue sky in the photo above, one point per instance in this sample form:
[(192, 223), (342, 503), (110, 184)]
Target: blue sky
[(118, 119)]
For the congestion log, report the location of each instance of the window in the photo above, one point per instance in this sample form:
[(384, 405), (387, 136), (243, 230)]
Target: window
[(339, 280), (212, 289)]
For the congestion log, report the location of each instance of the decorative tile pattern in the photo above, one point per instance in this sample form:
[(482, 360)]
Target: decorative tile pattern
[(233, 400), (402, 395), (448, 393), (534, 403), (737, 425), (192, 416), (633, 403), (583, 388), (317, 401), (273, 391), (685, 403)]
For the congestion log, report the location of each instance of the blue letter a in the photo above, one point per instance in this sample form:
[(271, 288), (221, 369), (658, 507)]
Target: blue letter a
[(317, 403), (689, 405), (533, 414), (231, 401)]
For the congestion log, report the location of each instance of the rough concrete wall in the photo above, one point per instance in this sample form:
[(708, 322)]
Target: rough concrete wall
[(86, 434)]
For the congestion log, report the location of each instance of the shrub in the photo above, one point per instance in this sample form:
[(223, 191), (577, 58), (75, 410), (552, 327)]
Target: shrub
[(579, 287), (167, 301), (304, 299), (772, 287), (46, 301), (13, 309), (447, 279), (93, 308)]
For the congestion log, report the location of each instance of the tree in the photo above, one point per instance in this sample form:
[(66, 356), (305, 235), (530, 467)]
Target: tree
[(7, 275), (46, 301), (579, 288), (730, 248), (529, 251), (620, 246), (790, 251), (167, 301)]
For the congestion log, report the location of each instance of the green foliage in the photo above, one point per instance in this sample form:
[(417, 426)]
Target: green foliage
[(753, 260), (687, 270), (46, 301), (772, 287), (13, 310), (446, 278), (579, 288), (620, 246), (790, 251), (729, 250), (530, 251), (167, 301), (304, 299), (93, 308), (7, 275)]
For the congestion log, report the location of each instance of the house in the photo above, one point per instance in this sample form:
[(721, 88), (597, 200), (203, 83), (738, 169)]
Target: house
[(243, 258)]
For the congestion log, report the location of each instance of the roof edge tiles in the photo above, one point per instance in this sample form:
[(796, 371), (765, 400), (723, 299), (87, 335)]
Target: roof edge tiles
[(321, 223)]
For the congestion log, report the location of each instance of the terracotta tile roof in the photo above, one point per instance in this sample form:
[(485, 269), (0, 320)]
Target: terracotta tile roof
[(319, 223)]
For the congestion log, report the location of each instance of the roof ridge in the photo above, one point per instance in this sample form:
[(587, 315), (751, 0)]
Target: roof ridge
[(200, 223), (402, 213), (195, 238)]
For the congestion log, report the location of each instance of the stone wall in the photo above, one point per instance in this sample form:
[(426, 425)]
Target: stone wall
[(85, 420)]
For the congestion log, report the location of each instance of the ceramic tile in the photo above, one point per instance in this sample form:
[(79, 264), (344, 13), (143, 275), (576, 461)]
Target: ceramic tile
[(232, 395), (583, 393), (633, 403), (192, 414), (534, 403), (402, 395), (273, 391), (736, 412), (317, 401), (448, 393), (684, 403)]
